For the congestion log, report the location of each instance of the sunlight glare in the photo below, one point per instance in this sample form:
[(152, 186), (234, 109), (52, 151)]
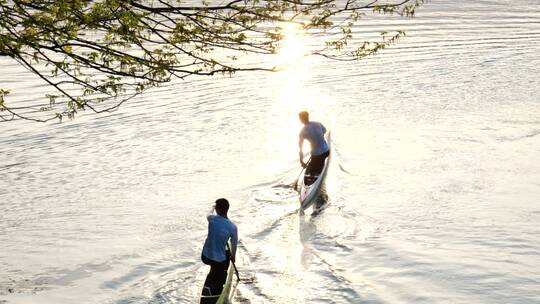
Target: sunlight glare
[(293, 46)]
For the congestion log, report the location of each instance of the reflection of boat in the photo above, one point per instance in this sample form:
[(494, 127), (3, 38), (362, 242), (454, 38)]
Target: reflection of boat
[(309, 186), (218, 290)]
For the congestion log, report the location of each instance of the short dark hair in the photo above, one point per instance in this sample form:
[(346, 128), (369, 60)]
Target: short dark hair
[(222, 206)]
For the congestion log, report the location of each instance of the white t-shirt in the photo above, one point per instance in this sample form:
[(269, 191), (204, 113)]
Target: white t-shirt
[(314, 132)]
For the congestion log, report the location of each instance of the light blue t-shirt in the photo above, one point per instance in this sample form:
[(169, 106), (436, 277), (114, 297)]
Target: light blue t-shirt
[(220, 229), (314, 132)]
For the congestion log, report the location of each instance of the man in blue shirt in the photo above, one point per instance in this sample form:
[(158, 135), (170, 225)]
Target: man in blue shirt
[(214, 253), (314, 133)]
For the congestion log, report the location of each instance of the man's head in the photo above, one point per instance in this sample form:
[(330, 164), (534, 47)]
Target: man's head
[(222, 207), (304, 117)]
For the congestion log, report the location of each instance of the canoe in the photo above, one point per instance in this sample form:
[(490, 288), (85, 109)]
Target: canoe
[(308, 192), (209, 296)]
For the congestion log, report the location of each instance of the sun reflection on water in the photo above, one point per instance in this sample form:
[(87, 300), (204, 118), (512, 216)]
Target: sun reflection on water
[(293, 47)]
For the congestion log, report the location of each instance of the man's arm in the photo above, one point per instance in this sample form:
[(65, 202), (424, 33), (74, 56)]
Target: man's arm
[(301, 153), (211, 212), (234, 242)]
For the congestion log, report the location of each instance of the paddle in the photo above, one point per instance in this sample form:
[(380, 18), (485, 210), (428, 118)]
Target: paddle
[(296, 182)]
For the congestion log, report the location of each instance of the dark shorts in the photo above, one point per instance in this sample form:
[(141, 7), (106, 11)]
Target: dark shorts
[(216, 266), (316, 164), (216, 277)]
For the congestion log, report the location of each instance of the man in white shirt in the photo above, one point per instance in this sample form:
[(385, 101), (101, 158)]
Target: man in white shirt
[(215, 252), (314, 133)]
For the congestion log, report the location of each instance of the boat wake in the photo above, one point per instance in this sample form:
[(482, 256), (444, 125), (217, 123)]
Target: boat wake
[(289, 256)]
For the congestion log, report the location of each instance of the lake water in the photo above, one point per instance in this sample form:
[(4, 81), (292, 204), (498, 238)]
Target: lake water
[(433, 191)]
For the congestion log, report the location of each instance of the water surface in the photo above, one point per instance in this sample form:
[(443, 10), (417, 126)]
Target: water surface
[(433, 192)]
